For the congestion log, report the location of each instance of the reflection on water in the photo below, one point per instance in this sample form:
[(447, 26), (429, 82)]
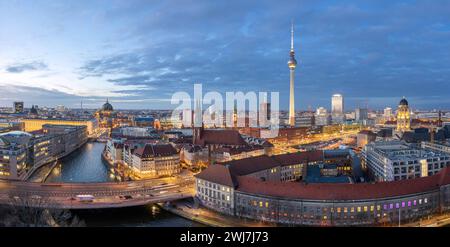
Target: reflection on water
[(83, 165), (142, 216)]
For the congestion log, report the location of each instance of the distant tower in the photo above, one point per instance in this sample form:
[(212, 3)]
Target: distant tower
[(403, 116), (292, 63)]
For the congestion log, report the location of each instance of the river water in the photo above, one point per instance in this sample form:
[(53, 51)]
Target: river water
[(86, 165)]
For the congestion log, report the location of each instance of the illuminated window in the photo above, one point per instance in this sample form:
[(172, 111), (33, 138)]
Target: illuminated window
[(338, 210), (391, 206), (409, 203), (397, 205), (359, 209), (267, 204), (425, 200), (228, 198), (403, 204), (415, 202), (372, 208), (345, 210), (420, 201), (352, 209), (378, 207), (365, 208)]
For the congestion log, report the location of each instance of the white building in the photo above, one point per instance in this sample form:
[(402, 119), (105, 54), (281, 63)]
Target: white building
[(321, 117), (337, 109), (396, 160)]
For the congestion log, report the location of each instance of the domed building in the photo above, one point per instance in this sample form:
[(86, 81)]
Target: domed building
[(403, 116), (105, 115)]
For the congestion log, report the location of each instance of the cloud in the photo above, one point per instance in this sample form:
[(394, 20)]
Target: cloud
[(23, 67)]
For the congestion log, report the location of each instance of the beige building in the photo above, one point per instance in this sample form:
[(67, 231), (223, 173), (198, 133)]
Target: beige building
[(33, 124)]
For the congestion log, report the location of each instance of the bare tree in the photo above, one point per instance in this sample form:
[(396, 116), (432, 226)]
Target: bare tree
[(35, 211)]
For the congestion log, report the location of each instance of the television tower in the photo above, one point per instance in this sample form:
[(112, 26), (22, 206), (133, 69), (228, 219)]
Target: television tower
[(292, 63)]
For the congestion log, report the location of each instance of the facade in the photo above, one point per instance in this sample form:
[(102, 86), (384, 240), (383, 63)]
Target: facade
[(322, 117), (155, 160), (396, 160), (337, 109), (403, 116), (12, 159), (364, 137), (34, 124), (18, 107), (307, 119), (387, 114), (361, 115), (254, 190)]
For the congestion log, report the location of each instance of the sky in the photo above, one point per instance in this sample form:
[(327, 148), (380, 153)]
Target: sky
[(139, 53)]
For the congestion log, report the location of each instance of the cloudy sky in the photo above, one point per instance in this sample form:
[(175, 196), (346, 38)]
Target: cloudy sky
[(138, 53)]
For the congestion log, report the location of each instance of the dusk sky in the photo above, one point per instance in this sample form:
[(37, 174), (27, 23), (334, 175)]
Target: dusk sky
[(138, 53)]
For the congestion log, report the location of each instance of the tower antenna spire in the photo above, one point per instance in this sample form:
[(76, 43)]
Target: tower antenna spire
[(292, 35)]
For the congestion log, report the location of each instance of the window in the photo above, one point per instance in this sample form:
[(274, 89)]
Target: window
[(365, 208), (359, 209), (267, 204), (372, 208), (420, 201), (425, 200)]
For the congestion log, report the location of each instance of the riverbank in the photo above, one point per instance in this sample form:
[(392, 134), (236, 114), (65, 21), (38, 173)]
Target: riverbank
[(187, 210), (50, 165)]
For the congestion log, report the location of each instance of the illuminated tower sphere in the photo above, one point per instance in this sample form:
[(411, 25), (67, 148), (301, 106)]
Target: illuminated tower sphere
[(292, 63), (403, 116)]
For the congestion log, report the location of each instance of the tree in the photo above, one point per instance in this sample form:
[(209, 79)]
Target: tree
[(36, 211)]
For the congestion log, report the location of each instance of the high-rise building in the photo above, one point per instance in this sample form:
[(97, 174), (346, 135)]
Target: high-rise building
[(292, 63), (337, 109), (387, 113), (18, 107), (361, 114), (264, 108), (403, 116), (322, 118)]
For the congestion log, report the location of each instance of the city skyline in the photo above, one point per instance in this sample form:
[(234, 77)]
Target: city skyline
[(376, 51)]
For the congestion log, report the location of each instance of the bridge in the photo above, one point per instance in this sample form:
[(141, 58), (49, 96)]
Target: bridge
[(105, 195)]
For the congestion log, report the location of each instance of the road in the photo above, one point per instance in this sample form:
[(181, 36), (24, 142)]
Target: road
[(106, 195)]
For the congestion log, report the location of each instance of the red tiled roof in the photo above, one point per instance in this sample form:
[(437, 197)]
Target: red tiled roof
[(300, 157), (251, 165), (325, 191), (152, 150), (223, 137), (217, 174)]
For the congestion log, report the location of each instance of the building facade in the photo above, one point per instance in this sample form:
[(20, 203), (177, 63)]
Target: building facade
[(396, 160)]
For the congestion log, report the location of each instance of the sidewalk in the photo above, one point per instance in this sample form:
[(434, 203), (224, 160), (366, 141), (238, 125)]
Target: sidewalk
[(208, 217)]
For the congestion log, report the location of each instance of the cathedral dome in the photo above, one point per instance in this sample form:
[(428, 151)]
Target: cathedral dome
[(107, 106), (403, 102)]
